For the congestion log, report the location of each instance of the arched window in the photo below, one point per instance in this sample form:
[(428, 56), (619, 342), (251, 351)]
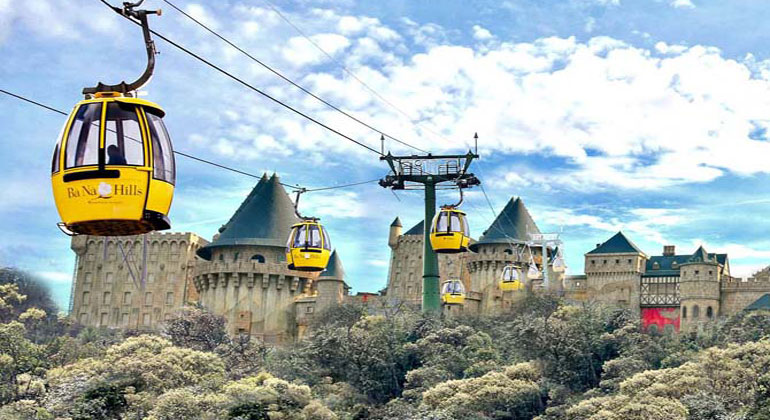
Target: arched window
[(258, 258), (709, 312), (221, 257), (668, 329), (236, 255), (684, 312), (509, 251), (695, 312), (653, 329)]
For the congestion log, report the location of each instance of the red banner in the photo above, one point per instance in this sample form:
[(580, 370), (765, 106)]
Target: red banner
[(660, 317)]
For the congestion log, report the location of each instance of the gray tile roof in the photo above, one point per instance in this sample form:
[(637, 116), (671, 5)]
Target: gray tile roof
[(513, 224)]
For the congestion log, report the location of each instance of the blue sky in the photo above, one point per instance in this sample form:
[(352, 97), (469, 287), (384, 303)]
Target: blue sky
[(646, 116)]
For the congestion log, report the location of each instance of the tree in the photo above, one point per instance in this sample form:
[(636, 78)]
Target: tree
[(196, 328)]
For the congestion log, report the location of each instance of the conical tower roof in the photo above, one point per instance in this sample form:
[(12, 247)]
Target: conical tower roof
[(396, 223), (513, 224), (618, 244), (418, 229), (264, 218), (334, 269), (700, 255)]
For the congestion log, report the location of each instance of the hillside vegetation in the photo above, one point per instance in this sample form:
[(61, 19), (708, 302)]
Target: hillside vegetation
[(542, 359)]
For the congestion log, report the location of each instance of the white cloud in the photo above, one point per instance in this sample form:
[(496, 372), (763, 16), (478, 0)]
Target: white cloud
[(55, 277), (300, 52), (682, 4), (481, 34)]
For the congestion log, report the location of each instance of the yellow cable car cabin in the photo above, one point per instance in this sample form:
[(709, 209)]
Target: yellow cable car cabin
[(453, 292), (113, 169), (450, 233), (511, 279), (308, 247)]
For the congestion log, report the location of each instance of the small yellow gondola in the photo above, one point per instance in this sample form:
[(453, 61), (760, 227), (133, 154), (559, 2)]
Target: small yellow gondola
[(453, 292), (511, 279), (450, 233), (308, 247)]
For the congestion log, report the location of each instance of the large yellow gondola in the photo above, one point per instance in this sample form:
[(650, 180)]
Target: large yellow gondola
[(113, 168), (511, 279), (450, 233), (453, 292), (308, 247)]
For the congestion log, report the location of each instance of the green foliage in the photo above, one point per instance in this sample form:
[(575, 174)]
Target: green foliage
[(197, 329)]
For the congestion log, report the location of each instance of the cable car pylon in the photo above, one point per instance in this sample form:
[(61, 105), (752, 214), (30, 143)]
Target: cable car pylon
[(426, 172)]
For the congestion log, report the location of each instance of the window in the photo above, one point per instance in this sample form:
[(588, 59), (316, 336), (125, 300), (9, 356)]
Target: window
[(709, 312), (327, 241), (593, 262), (653, 329), (299, 236), (695, 312), (455, 225), (146, 319), (466, 228), (221, 257), (151, 278), (89, 277), (169, 298), (604, 261), (162, 154), (83, 140), (236, 255), (108, 278), (629, 260), (309, 309), (122, 135), (124, 319), (86, 297), (104, 320), (656, 266), (258, 258), (684, 312), (148, 298), (126, 298), (315, 237), (107, 298), (711, 272), (83, 318), (55, 160), (697, 272), (442, 224), (617, 261)]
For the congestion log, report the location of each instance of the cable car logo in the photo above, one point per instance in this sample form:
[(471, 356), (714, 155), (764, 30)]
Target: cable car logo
[(104, 191)]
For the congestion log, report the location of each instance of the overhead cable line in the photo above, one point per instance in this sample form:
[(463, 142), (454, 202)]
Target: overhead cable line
[(350, 73), (189, 156), (279, 74), (246, 84)]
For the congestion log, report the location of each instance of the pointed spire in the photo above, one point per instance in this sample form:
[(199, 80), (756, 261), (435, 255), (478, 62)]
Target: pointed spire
[(700, 255), (396, 223), (618, 244), (417, 229), (513, 224), (264, 218)]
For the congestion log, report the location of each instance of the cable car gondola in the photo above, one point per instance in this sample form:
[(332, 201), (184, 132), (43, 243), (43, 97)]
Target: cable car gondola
[(449, 231), (511, 279), (113, 169), (308, 247), (453, 292)]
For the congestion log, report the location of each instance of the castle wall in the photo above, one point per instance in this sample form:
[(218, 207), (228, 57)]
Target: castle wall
[(736, 294), (105, 294)]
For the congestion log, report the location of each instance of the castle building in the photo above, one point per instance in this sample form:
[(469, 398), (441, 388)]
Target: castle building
[(668, 291), (504, 243), (138, 282), (133, 282)]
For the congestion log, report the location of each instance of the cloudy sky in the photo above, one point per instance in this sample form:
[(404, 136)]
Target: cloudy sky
[(647, 116)]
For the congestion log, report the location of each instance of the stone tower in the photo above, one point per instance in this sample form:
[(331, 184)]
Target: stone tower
[(330, 286), (405, 271), (700, 280), (613, 272), (244, 276), (501, 244)]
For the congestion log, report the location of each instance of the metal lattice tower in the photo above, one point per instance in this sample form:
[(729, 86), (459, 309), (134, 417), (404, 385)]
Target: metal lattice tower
[(427, 172)]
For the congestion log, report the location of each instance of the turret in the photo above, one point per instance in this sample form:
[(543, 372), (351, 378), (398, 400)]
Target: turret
[(699, 284), (395, 232)]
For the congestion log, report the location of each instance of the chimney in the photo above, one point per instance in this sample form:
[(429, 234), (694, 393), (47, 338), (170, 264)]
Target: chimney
[(669, 250)]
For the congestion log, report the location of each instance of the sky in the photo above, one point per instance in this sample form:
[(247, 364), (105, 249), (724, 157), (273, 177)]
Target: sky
[(649, 117)]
